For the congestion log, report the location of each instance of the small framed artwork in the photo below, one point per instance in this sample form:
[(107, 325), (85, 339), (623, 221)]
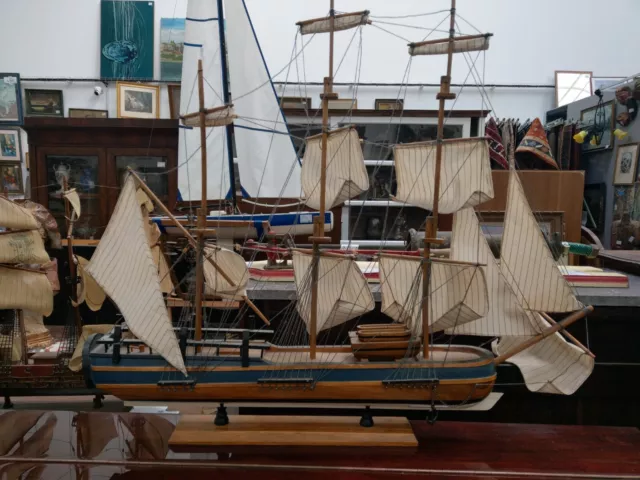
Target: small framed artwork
[(87, 113), (343, 104), (295, 102), (626, 163), (174, 100), (10, 145), (44, 103), (138, 100), (389, 104), (11, 178), (605, 117), (10, 99)]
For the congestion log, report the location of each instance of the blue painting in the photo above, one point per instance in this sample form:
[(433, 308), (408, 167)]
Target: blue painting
[(171, 48), (126, 40)]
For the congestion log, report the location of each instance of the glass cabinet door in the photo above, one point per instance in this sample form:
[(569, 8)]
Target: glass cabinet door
[(81, 173), (152, 170)]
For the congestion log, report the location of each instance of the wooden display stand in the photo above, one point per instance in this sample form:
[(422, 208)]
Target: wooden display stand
[(198, 433)]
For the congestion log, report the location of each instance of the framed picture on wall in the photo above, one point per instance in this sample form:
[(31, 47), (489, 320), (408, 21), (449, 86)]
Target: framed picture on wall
[(138, 100), (87, 113), (10, 99), (44, 103), (626, 163), (606, 117), (174, 100), (11, 178), (10, 145)]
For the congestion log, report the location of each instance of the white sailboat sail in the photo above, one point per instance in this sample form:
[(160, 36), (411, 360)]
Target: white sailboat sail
[(74, 199), (465, 177), (343, 291), (343, 21), (457, 293), (22, 289), (468, 43), (527, 262), (123, 266), (202, 41), (233, 265), (267, 161), (346, 174)]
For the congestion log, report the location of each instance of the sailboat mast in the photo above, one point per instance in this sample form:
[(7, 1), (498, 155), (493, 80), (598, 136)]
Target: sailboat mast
[(432, 221), (202, 211), (319, 237), (72, 264), (226, 98)]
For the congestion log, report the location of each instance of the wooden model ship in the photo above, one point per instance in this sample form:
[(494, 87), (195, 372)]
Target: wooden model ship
[(470, 293)]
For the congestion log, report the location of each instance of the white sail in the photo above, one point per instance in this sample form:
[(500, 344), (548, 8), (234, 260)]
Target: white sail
[(465, 176), (267, 160), (22, 289), (74, 200), (346, 174), (122, 265), (233, 265), (153, 238), (470, 43), (202, 41), (88, 289), (343, 21), (457, 293), (343, 292), (22, 247), (526, 261), (550, 366), (16, 217)]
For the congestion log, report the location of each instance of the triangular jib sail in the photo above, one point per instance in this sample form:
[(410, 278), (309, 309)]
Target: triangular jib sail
[(123, 266), (346, 174)]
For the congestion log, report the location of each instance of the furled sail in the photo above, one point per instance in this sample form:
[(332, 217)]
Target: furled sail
[(267, 160), (15, 217), (469, 43), (22, 247), (233, 265), (457, 292), (346, 173), (526, 261), (465, 177), (343, 21), (343, 291), (202, 41), (74, 200), (123, 266), (23, 289)]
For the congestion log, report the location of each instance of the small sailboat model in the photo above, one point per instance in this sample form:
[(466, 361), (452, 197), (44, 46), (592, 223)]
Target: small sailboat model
[(471, 293)]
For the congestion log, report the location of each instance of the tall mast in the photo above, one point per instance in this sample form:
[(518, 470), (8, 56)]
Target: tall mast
[(226, 99), (202, 211), (318, 237), (432, 221)]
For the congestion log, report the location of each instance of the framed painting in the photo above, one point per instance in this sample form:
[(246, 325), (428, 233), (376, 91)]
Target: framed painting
[(11, 178), (295, 102), (87, 113), (10, 99), (126, 40), (389, 104), (43, 103), (171, 48), (10, 145), (174, 100), (626, 163), (606, 117), (137, 100)]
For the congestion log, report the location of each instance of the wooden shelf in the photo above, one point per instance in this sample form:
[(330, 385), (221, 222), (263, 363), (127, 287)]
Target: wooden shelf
[(80, 242)]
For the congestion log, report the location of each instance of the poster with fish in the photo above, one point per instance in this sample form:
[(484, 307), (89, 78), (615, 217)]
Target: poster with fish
[(126, 40), (10, 99), (171, 48)]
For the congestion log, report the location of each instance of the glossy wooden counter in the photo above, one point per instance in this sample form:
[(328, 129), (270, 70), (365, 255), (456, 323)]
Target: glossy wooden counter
[(61, 445)]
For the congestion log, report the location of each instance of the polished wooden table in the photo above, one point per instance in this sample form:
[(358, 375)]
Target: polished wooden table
[(61, 445)]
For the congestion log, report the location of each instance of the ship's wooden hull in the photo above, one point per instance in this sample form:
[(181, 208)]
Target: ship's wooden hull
[(224, 378)]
